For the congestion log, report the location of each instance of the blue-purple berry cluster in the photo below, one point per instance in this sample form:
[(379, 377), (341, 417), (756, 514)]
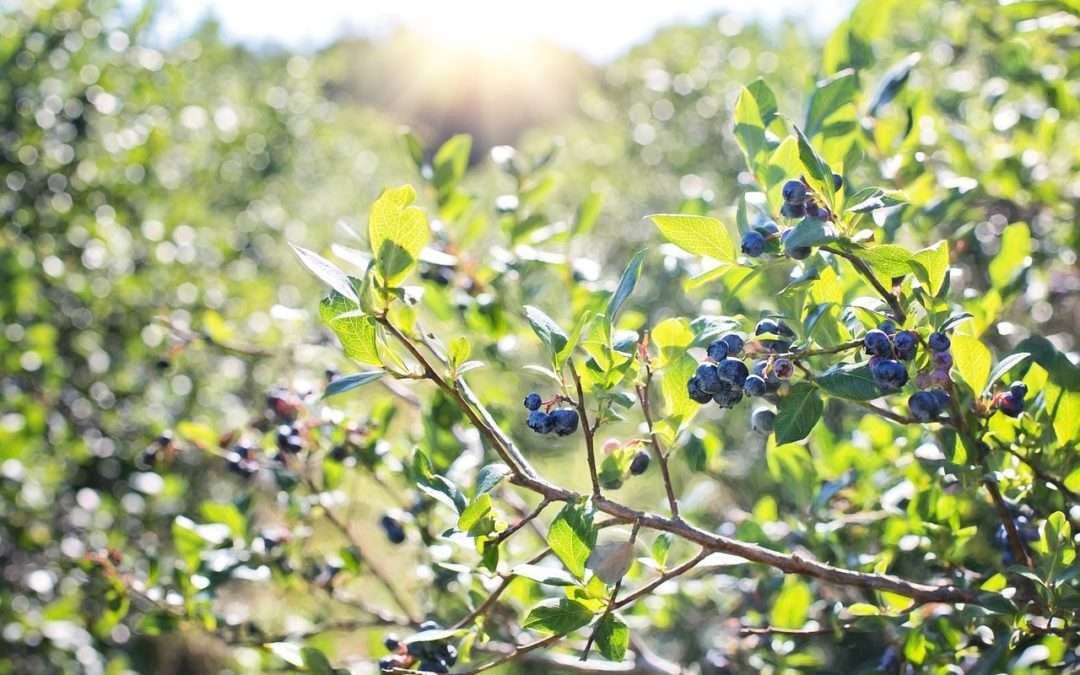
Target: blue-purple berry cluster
[(1011, 401), (561, 422), (721, 378)]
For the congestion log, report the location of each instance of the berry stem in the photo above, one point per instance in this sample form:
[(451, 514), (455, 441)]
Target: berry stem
[(658, 449), (588, 431)]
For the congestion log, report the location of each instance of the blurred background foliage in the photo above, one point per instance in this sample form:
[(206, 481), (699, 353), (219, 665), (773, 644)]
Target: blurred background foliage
[(150, 300)]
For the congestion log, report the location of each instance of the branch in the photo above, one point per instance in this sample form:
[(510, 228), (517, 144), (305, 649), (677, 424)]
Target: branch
[(611, 601), (836, 349), (587, 431), (661, 456), (525, 520), (1016, 544), (868, 274), (803, 632)]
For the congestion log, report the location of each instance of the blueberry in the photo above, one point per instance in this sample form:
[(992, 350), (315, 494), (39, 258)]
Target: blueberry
[(876, 343), (775, 328), (793, 191), (1009, 404), (449, 654), (939, 342), (755, 386), (753, 244), (732, 371), (766, 326), (767, 228), (1019, 390), (942, 360), (791, 210), (391, 642), (794, 252), (924, 406), (640, 463), (708, 378), (837, 181), (890, 375), (394, 531), (565, 421), (717, 351), (906, 344), (942, 397), (888, 326), (814, 210), (783, 368), (540, 422), (762, 420), (533, 401), (695, 392), (728, 397), (734, 343)]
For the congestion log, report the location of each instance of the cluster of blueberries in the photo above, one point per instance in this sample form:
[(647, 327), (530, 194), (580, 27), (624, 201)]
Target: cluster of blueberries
[(724, 379), (799, 201), (433, 656), (562, 421)]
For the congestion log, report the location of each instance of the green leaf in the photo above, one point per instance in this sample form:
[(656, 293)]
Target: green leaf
[(755, 109), (572, 537), (892, 82), (558, 616), (792, 604), (459, 351), (672, 338), (546, 329), (1005, 365), (797, 413), (315, 661), (809, 232), (1013, 258), (972, 361), (887, 260), (340, 385), (626, 286), (700, 235), (449, 164), (356, 331), (398, 232), (863, 609), (931, 264), (474, 512), (587, 213), (225, 513), (661, 546), (818, 173), (852, 381), (677, 402), (612, 637), (543, 574), (829, 96), (490, 476), (413, 147), (327, 272)]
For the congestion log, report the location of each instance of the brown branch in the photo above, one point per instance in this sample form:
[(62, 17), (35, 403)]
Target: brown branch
[(658, 450), (1016, 544), (663, 578), (525, 520), (588, 432), (821, 351), (868, 274)]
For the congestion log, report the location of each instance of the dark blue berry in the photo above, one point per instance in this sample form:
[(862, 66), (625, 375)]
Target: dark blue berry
[(890, 375), (449, 654), (732, 371), (837, 181), (888, 326), (753, 244), (794, 191), (792, 210), (783, 368), (813, 210), (533, 401), (640, 463), (1010, 405), (540, 422), (433, 667), (939, 342), (695, 392), (1019, 390), (762, 420), (755, 385), (717, 351), (943, 360), (734, 343), (774, 328), (941, 396), (766, 326), (906, 344), (924, 406), (565, 422), (394, 531), (728, 396), (391, 642), (876, 343), (708, 378)]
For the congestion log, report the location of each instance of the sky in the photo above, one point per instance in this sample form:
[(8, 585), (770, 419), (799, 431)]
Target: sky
[(598, 29)]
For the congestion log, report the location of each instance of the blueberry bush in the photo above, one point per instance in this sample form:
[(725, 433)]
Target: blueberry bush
[(821, 415)]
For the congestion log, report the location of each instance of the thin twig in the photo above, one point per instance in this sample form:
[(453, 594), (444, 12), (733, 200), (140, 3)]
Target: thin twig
[(611, 601), (658, 450), (589, 431), (528, 518), (868, 274), (795, 632)]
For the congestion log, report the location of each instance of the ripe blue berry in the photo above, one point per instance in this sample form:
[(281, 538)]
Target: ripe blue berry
[(391, 642), (717, 351), (792, 210), (695, 392), (394, 531), (906, 344), (732, 371), (814, 210), (533, 401), (888, 326), (942, 360), (939, 342), (762, 420), (794, 252), (734, 343), (774, 328), (753, 244), (876, 343), (924, 406), (540, 422), (1009, 404), (890, 375), (565, 422), (942, 397), (728, 396), (793, 191), (783, 368), (1019, 390), (837, 181), (755, 385), (640, 463), (708, 378)]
